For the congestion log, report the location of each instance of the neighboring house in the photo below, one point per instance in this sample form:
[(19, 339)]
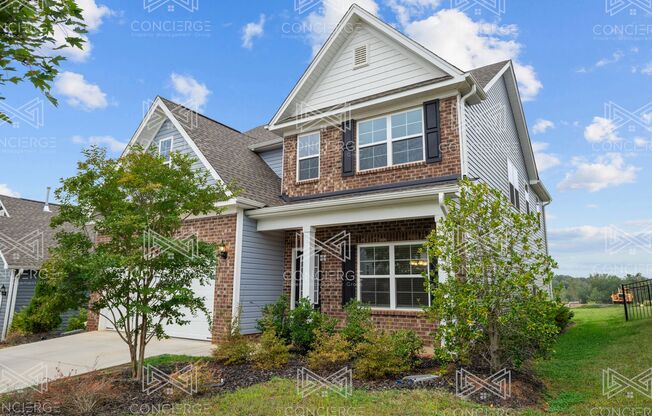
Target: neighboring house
[(353, 168), (25, 237)]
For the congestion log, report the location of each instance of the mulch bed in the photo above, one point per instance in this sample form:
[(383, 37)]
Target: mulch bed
[(113, 392)]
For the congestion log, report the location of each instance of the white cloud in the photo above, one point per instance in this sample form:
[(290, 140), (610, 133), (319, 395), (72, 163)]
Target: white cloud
[(107, 141), (79, 92), (6, 190), (544, 160), (592, 206), (642, 142), (93, 15), (467, 44), (325, 21), (615, 57), (604, 172), (602, 129), (647, 69), (189, 91), (541, 126), (406, 10), (253, 30)]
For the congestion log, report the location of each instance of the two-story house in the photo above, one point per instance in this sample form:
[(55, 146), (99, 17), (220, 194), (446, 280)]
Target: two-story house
[(341, 188)]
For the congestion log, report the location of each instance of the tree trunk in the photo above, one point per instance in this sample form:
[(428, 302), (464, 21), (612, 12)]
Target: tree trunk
[(141, 347), (494, 346)]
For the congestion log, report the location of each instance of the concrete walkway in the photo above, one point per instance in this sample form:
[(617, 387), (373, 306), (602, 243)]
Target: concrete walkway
[(30, 364)]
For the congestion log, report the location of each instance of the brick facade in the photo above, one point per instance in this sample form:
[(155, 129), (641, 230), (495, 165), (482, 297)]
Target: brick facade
[(330, 164), (216, 230), (331, 270)]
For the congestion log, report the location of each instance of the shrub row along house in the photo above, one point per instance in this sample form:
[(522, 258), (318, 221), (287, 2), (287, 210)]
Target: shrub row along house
[(353, 169)]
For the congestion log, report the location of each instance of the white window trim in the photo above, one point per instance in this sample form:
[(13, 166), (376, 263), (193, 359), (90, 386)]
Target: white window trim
[(171, 140), (389, 141), (318, 156), (392, 276)]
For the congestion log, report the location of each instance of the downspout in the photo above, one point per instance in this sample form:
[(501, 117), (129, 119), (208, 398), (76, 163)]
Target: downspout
[(464, 162), (11, 301)]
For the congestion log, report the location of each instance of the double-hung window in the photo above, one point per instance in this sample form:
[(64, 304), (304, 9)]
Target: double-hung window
[(512, 175), (391, 140), (308, 156), (392, 275), (165, 150)]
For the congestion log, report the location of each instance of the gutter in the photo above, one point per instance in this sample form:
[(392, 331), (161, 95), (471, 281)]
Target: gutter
[(267, 145)]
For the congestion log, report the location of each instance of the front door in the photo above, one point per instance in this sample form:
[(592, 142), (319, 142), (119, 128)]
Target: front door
[(298, 266)]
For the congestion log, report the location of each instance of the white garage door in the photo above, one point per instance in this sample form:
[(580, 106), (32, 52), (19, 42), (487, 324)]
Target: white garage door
[(198, 327)]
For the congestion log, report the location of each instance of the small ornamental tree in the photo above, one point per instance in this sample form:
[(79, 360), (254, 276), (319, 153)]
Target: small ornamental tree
[(493, 308), (116, 207)]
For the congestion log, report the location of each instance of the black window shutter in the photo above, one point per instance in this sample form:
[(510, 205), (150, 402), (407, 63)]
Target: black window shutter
[(434, 275), (432, 129), (349, 279), (348, 147)]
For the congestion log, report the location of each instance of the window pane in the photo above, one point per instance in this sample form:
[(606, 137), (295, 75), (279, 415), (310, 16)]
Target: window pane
[(411, 292), (381, 253), (309, 145), (407, 124), (309, 168), (382, 268), (165, 149), (409, 261), (375, 292), (367, 253), (402, 267), (410, 150), (372, 131), (373, 157), (374, 261)]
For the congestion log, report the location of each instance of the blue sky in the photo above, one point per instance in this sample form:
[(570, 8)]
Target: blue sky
[(238, 60)]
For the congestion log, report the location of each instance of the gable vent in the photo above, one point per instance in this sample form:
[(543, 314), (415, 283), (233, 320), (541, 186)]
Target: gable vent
[(360, 56)]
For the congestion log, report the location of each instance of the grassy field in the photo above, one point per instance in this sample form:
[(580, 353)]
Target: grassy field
[(600, 339)]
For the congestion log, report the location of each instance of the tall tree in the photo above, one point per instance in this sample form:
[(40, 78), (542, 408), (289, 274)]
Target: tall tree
[(493, 309), (127, 203), (29, 47)]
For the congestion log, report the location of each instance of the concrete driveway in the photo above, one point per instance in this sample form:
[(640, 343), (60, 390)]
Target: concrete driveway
[(31, 364)]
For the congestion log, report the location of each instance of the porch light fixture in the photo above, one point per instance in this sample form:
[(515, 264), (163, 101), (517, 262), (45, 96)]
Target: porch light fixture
[(3, 290), (222, 250)]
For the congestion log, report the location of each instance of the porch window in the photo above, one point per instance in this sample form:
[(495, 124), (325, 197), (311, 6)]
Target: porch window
[(308, 156), (391, 275), (391, 140)]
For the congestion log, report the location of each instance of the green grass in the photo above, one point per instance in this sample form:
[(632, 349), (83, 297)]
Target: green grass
[(171, 359), (600, 339)]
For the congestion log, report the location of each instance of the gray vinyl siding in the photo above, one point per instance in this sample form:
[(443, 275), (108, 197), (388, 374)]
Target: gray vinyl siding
[(5, 277), (261, 272), (26, 286), (274, 159), (492, 140), (179, 145)]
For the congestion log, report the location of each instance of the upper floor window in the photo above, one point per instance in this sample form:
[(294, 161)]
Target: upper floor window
[(527, 198), (391, 140), (512, 175), (165, 150), (308, 156)]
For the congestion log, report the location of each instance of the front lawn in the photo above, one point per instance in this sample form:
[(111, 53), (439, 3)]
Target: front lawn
[(600, 339)]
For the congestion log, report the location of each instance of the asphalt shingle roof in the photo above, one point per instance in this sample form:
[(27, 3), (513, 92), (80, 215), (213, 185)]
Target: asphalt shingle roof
[(25, 235), (484, 74), (261, 134), (226, 149)]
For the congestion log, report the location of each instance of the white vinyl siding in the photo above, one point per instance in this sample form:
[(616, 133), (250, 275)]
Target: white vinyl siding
[(308, 156)]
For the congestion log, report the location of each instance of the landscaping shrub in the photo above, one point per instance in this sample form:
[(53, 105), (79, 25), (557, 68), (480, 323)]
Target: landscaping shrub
[(272, 352), (330, 350), (235, 349), (277, 316), (202, 374), (358, 322), (563, 316), (42, 313), (304, 321), (77, 321), (382, 355)]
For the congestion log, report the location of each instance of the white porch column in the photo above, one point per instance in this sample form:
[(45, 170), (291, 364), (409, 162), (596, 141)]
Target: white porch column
[(308, 264)]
